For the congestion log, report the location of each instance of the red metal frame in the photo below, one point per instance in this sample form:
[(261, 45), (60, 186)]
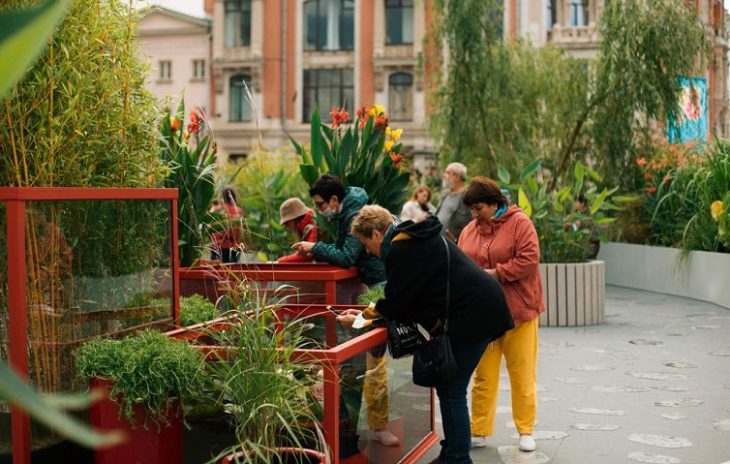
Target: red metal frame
[(269, 272), (15, 198), (330, 359)]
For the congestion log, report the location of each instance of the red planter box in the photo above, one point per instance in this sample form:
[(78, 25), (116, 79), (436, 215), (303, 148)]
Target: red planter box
[(155, 445)]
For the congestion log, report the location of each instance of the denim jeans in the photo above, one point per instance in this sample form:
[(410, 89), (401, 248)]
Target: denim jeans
[(454, 411)]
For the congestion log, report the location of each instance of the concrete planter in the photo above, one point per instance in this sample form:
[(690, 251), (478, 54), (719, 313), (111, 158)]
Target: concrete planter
[(701, 275), (573, 294)]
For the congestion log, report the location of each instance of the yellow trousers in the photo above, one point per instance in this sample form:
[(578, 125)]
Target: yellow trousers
[(519, 347), (375, 390)]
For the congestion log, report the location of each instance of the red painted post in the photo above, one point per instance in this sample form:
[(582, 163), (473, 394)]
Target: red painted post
[(20, 423), (175, 264), (331, 422)]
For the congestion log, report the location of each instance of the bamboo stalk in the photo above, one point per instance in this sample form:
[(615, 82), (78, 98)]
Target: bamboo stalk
[(16, 163)]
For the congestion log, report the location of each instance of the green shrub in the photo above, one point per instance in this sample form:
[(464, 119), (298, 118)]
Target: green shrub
[(264, 181), (147, 368), (195, 309)]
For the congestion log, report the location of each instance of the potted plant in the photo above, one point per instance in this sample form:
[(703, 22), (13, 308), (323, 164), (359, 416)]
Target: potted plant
[(573, 281), (268, 395), (150, 380)]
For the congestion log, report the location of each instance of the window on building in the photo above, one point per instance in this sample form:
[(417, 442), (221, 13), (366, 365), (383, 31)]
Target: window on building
[(237, 23), (578, 13), (165, 70), (400, 96), (329, 24), (551, 14), (239, 105), (198, 69), (327, 88), (399, 22)]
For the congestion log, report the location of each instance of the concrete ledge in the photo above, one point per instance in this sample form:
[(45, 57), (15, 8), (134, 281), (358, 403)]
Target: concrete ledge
[(573, 294), (700, 275)]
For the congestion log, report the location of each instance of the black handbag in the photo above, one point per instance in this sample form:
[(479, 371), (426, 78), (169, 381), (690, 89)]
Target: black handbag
[(403, 338), (433, 360)]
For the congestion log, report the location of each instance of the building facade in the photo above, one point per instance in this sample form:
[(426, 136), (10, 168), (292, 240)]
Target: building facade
[(177, 47), (273, 60)]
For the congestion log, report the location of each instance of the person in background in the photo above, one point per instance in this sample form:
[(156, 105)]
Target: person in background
[(419, 207), (299, 219), (226, 240), (581, 218), (503, 242), (477, 310), (451, 211)]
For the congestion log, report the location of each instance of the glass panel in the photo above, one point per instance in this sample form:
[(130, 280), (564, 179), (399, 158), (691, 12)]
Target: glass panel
[(245, 24), (400, 97), (310, 25), (95, 268), (239, 104), (399, 23), (232, 21), (347, 26)]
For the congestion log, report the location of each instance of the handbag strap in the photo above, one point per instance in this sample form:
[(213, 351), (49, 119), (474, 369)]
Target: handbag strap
[(448, 283)]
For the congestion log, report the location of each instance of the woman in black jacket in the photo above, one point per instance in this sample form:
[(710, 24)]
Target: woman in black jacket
[(416, 269)]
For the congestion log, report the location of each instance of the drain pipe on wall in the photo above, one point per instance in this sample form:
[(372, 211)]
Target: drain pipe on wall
[(284, 77)]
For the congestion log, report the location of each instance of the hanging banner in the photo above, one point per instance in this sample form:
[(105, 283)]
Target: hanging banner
[(692, 121)]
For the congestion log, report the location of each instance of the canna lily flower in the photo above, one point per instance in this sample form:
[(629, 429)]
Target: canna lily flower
[(651, 189), (396, 159), (377, 110), (716, 209), (641, 162), (395, 135), (174, 124), (381, 121), (339, 116), (388, 146)]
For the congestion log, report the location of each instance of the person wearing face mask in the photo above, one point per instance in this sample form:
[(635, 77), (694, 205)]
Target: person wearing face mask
[(340, 205), (451, 211), (503, 241)]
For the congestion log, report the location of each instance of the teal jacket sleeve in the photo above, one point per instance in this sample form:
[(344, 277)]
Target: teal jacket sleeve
[(343, 257)]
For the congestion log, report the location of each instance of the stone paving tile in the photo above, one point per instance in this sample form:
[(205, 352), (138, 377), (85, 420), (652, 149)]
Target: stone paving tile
[(670, 375)]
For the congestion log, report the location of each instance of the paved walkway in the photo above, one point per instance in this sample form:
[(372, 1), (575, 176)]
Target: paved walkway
[(650, 385)]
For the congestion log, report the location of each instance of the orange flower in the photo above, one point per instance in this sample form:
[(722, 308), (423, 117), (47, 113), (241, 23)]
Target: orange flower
[(651, 189), (648, 176), (716, 209), (396, 159), (381, 121), (339, 116), (174, 124), (641, 162), (194, 125)]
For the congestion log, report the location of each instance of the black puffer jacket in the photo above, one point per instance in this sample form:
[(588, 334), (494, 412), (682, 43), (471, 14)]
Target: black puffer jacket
[(415, 266)]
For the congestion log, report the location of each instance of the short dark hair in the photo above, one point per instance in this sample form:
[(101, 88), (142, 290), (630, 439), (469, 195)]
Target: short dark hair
[(328, 186), (484, 190)]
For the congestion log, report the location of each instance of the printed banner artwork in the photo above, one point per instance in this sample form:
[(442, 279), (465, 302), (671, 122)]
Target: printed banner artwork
[(692, 121)]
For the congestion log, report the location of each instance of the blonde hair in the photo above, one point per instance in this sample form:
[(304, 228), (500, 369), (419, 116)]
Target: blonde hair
[(420, 189), (369, 219)]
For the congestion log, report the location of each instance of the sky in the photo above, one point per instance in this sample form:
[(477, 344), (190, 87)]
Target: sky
[(190, 7)]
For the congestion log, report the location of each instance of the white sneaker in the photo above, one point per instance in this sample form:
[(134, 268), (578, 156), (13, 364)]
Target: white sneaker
[(478, 442), (527, 443), (385, 437)]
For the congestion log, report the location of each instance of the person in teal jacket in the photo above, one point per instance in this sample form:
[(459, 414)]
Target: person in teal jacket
[(337, 203)]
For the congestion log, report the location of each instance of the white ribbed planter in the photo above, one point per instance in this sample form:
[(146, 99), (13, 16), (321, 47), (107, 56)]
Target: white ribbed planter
[(700, 275), (573, 294)]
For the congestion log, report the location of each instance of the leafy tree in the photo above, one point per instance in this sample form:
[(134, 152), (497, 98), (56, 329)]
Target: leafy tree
[(509, 103), (501, 103)]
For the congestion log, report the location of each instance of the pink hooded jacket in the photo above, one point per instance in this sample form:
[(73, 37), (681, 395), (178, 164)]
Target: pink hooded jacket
[(509, 244)]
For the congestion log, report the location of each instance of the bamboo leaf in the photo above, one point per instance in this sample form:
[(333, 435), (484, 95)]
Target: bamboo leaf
[(316, 139), (524, 203), (23, 35), (503, 175)]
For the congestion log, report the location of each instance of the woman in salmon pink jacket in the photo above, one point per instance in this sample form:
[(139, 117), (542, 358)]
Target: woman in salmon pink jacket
[(502, 240)]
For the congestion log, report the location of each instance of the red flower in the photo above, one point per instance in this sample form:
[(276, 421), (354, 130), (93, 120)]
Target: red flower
[(361, 112), (339, 116), (194, 125), (396, 159), (381, 121), (651, 189), (641, 162), (648, 176)]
